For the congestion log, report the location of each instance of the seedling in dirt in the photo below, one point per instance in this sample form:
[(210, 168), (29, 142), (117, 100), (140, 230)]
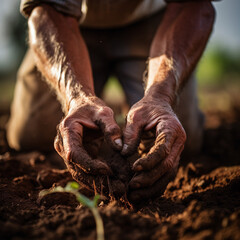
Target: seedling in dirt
[(73, 187)]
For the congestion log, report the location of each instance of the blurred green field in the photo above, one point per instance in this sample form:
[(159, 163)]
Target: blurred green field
[(218, 75), (218, 67)]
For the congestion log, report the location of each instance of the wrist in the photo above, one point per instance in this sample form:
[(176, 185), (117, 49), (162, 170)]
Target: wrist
[(77, 95), (159, 101), (163, 81), (161, 92), (80, 100)]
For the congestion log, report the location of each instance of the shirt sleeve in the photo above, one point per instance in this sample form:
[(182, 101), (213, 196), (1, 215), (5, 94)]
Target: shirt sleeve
[(69, 7)]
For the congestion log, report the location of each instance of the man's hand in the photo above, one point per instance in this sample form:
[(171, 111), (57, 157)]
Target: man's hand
[(62, 57), (176, 48), (91, 113), (153, 171)]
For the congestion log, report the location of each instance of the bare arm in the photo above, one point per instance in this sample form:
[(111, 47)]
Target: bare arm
[(177, 47), (62, 57), (60, 53), (175, 50)]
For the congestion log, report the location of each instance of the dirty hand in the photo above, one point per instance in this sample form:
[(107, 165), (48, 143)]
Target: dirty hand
[(86, 114), (154, 170)]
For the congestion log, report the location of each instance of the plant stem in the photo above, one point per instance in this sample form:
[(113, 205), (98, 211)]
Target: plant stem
[(73, 187), (99, 223)]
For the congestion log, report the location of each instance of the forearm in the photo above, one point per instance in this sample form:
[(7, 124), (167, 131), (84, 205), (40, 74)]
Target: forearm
[(177, 47), (60, 53)]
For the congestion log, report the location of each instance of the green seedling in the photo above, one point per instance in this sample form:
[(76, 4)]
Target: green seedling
[(73, 187)]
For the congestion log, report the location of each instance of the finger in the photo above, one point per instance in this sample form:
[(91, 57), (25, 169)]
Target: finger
[(132, 133), (146, 179), (154, 191), (74, 151), (147, 142), (112, 132), (157, 153), (90, 182), (150, 177), (80, 176), (89, 165)]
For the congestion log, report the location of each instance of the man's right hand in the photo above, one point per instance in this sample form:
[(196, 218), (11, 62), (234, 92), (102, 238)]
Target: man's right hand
[(89, 112), (62, 58)]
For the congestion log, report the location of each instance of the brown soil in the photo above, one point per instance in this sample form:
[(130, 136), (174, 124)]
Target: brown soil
[(203, 202)]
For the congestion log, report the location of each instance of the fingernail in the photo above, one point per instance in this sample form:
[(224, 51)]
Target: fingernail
[(125, 148), (118, 142)]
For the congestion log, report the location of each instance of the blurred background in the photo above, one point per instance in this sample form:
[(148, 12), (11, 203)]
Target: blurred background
[(218, 72)]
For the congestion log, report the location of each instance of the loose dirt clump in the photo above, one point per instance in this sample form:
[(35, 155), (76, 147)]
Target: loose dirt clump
[(203, 202)]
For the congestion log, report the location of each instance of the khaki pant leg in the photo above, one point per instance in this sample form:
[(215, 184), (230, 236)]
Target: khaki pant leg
[(35, 111)]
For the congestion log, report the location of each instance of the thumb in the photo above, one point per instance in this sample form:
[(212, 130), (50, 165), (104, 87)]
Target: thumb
[(112, 132), (132, 133)]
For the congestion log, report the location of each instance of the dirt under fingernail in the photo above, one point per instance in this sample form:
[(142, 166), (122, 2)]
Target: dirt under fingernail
[(118, 142)]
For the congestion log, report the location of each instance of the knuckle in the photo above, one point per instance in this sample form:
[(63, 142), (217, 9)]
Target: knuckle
[(70, 124), (113, 129), (66, 123), (134, 116), (104, 112)]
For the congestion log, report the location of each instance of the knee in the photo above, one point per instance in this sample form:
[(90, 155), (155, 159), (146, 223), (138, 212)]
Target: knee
[(27, 139)]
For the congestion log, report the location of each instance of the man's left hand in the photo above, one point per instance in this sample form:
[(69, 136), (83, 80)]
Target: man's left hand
[(153, 171)]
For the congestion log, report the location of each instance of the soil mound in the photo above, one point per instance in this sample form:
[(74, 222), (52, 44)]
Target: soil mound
[(203, 202)]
